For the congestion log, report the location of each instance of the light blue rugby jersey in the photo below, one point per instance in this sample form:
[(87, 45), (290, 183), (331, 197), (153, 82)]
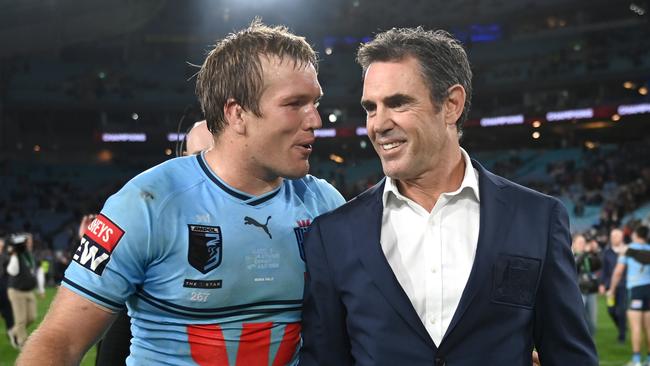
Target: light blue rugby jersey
[(637, 273), (210, 275)]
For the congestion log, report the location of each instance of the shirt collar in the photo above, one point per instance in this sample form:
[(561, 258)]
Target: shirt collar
[(470, 181)]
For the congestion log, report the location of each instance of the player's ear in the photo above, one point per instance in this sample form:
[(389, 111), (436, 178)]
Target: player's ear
[(234, 116)]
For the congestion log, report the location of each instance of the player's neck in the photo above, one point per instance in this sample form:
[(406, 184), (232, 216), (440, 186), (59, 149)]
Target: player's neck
[(234, 172)]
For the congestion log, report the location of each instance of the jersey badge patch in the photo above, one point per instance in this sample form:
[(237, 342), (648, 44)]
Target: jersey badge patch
[(97, 244), (205, 247), (300, 231)]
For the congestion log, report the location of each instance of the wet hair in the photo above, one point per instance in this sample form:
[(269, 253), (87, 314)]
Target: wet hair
[(233, 69)]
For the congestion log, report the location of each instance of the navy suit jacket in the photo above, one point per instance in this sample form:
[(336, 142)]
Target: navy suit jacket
[(521, 293)]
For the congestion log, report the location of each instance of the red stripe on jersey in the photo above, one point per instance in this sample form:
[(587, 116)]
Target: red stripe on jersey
[(207, 346), (287, 348), (104, 232), (254, 344)]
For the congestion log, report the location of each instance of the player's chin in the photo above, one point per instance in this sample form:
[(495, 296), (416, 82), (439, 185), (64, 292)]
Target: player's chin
[(296, 170)]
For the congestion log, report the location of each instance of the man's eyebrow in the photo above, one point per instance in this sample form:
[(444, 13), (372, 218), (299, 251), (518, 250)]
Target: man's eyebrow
[(398, 100), (390, 101), (302, 96)]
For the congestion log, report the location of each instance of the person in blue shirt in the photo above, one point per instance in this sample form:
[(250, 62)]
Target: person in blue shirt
[(113, 349), (205, 251), (638, 288)]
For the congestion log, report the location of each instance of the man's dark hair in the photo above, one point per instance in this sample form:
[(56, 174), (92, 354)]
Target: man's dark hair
[(17, 243), (233, 69), (442, 60), (642, 232)]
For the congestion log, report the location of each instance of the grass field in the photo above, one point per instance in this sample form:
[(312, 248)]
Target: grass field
[(610, 351), (8, 354)]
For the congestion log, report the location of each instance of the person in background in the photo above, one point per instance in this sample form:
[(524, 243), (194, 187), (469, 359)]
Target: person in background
[(42, 267), (587, 264), (639, 255), (5, 304), (198, 139), (617, 304), (21, 283), (638, 287)]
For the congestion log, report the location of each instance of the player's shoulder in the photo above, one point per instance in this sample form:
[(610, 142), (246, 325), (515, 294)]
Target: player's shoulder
[(159, 183), (316, 187), (640, 246), (177, 170), (367, 201), (309, 182)]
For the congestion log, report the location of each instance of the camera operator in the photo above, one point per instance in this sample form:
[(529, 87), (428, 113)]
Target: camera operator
[(21, 283), (5, 305), (585, 251)]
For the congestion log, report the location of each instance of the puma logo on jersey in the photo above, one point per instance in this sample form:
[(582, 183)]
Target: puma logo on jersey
[(265, 227)]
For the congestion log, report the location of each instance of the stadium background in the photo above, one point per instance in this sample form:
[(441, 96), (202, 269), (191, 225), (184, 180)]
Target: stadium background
[(93, 92)]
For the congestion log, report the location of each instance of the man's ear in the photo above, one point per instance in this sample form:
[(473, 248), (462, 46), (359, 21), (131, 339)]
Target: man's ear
[(234, 116), (454, 104)]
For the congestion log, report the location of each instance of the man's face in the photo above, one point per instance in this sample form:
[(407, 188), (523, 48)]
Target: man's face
[(405, 127), (579, 244), (636, 238), (616, 237), (280, 142)]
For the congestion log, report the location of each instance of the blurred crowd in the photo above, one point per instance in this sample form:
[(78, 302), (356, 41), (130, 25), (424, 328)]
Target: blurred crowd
[(614, 267)]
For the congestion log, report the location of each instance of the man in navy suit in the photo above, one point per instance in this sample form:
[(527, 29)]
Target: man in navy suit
[(442, 262)]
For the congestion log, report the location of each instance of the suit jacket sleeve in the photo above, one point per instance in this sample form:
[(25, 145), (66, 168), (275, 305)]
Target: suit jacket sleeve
[(325, 338), (560, 330)]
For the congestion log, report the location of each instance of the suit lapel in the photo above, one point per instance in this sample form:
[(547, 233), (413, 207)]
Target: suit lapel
[(374, 261), (494, 211)]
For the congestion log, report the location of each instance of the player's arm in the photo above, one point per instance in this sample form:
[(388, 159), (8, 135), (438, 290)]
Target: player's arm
[(641, 256), (72, 325), (616, 277)]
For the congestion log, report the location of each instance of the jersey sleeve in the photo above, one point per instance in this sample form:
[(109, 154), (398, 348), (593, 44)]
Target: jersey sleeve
[(332, 199), (622, 259), (111, 259)]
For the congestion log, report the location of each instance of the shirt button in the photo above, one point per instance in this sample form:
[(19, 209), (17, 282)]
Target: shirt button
[(432, 320), (433, 270)]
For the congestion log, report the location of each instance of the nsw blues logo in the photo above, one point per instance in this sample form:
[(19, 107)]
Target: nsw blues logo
[(205, 247), (300, 231)]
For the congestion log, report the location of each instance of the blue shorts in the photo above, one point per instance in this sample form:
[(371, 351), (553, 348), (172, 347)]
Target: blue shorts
[(639, 298)]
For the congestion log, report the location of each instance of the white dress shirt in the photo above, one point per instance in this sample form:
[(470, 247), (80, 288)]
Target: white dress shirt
[(432, 253)]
